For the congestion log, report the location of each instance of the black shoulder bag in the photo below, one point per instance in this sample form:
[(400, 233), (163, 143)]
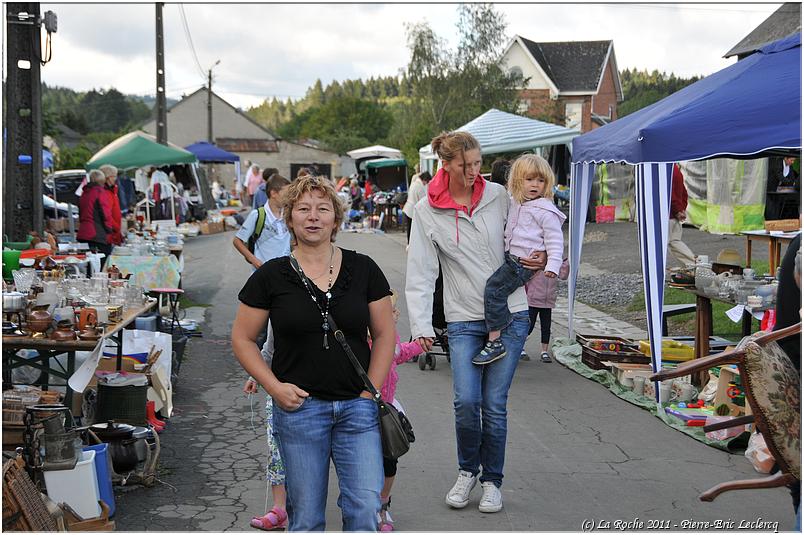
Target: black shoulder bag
[(396, 431)]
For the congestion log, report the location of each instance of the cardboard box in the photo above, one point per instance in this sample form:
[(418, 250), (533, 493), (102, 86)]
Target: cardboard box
[(212, 227), (57, 225), (786, 225)]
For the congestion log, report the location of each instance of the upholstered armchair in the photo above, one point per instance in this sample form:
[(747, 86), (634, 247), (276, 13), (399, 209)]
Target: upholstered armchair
[(773, 389)]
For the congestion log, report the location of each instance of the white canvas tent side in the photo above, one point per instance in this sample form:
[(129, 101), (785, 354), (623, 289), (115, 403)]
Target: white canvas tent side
[(498, 131), (375, 151)]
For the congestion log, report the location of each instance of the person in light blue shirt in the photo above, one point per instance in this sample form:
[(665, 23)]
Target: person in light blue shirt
[(274, 240)]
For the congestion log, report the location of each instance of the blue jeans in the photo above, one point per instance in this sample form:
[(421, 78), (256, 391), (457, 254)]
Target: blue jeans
[(347, 432), (481, 394), (502, 283)]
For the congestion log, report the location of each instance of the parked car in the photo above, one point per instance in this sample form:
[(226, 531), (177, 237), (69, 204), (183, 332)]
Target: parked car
[(66, 182)]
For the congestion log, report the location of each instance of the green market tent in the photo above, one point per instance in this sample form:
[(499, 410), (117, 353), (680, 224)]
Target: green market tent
[(387, 173), (139, 149), (378, 164)]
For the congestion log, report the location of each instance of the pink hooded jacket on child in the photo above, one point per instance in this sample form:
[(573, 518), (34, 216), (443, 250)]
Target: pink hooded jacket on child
[(403, 352)]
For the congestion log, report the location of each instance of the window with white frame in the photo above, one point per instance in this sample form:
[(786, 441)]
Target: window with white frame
[(573, 114)]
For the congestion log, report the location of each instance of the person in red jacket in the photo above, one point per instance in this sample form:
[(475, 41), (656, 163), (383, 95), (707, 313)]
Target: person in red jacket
[(95, 214), (678, 213), (110, 172)]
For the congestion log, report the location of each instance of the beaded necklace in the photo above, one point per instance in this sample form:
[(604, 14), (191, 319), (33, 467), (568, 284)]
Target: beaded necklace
[(325, 311)]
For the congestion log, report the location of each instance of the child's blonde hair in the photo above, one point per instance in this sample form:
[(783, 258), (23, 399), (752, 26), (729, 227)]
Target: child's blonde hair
[(525, 166), (394, 297)]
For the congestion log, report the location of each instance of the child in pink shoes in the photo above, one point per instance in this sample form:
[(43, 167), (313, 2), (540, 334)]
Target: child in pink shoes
[(403, 352)]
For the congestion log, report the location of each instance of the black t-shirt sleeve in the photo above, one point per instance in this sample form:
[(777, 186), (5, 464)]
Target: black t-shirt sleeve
[(256, 292), (378, 286)]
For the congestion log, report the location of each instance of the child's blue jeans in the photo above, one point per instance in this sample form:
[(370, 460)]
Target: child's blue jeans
[(502, 283)]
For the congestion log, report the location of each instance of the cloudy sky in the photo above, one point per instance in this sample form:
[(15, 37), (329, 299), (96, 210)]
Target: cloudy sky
[(280, 50)]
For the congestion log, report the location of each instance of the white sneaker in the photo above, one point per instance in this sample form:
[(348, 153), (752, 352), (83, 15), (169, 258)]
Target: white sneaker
[(491, 502), (458, 495)]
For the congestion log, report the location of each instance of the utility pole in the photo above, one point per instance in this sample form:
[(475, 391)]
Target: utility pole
[(210, 138), (22, 169), (161, 102)]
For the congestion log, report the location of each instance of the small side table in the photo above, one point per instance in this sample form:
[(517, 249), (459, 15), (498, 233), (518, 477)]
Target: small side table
[(172, 295)]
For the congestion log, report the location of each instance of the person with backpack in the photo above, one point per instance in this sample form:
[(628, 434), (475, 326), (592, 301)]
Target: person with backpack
[(263, 237)]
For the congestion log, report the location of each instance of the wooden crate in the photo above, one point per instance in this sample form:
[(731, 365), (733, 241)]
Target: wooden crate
[(595, 358), (611, 343)]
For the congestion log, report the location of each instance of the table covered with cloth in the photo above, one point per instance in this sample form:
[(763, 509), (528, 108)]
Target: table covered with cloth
[(149, 271)]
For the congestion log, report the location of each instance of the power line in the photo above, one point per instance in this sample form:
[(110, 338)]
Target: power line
[(189, 38)]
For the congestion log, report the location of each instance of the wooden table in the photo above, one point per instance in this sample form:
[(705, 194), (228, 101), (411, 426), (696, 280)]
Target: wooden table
[(703, 325), (49, 349), (774, 240)]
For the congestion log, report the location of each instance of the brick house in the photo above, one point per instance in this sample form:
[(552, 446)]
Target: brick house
[(574, 83)]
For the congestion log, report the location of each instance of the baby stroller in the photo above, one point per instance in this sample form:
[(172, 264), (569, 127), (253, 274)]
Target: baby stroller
[(439, 327)]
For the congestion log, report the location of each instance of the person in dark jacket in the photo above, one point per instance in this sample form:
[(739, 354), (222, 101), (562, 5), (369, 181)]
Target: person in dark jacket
[(788, 302), (95, 214)]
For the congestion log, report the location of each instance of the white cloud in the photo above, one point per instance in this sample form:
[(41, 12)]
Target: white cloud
[(281, 49)]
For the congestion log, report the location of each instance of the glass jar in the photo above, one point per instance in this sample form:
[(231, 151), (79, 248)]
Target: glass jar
[(704, 276)]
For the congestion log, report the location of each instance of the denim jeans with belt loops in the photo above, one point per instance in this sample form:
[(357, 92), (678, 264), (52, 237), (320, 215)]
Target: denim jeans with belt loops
[(481, 394), (345, 431)]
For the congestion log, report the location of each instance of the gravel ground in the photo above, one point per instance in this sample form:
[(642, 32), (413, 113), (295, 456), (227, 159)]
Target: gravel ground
[(611, 289)]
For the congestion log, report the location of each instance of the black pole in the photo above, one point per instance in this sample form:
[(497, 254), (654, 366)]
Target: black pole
[(161, 103), (22, 170), (209, 108)]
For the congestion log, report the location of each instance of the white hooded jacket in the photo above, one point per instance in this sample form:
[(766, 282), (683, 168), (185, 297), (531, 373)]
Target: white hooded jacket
[(469, 248)]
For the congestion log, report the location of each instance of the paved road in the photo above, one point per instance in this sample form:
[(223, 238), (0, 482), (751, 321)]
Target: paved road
[(575, 452)]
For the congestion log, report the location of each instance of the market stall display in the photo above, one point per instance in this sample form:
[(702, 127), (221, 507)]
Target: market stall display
[(750, 108)]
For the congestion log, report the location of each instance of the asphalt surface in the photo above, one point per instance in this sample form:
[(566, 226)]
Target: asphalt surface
[(576, 453)]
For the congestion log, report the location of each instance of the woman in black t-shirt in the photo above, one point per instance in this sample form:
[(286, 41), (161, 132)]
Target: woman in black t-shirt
[(321, 410)]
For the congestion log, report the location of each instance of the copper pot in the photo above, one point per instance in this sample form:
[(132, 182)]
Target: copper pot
[(91, 333), (64, 331), (39, 319)]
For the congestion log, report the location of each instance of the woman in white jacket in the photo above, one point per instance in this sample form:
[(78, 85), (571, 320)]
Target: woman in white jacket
[(461, 227)]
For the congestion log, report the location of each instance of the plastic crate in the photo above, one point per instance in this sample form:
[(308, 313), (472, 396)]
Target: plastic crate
[(103, 471), (604, 213), (77, 487)]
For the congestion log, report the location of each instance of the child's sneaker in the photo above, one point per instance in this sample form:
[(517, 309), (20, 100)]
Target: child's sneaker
[(492, 351), (386, 522)]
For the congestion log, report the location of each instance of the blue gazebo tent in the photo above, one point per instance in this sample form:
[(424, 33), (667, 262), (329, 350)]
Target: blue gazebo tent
[(748, 110), (209, 153)]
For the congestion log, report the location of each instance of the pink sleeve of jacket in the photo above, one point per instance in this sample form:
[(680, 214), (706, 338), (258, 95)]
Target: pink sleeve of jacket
[(408, 351), (553, 240)]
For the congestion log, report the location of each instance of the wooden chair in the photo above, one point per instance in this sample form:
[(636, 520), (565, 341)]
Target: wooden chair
[(773, 390)]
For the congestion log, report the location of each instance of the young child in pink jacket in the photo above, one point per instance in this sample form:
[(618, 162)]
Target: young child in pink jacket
[(534, 224), (403, 352)]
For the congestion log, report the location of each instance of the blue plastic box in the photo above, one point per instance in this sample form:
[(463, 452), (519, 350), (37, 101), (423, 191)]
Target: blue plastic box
[(103, 462)]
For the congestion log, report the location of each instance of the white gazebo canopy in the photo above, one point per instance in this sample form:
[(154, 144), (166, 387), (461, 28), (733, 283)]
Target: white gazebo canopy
[(375, 151), (498, 131)]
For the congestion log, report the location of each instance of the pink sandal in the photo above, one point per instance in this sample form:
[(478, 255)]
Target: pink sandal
[(276, 518)]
